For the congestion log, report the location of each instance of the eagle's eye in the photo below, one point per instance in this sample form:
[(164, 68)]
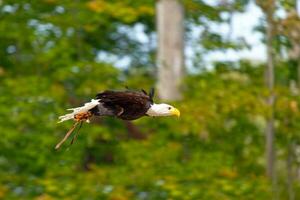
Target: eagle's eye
[(169, 108)]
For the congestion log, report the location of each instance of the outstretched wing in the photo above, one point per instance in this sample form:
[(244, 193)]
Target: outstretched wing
[(126, 105)]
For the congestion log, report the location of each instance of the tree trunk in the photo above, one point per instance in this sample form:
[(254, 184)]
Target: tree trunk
[(298, 72), (133, 131), (297, 43), (170, 58), (290, 172), (269, 81)]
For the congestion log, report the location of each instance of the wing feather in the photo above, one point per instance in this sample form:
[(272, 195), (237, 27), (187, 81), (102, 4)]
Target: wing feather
[(133, 104)]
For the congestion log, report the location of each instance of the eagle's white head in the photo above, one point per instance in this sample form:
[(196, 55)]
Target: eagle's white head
[(162, 109)]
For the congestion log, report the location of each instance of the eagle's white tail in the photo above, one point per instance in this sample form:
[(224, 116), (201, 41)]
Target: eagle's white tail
[(82, 109)]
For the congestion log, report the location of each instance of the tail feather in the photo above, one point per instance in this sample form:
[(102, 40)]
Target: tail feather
[(82, 109), (66, 117)]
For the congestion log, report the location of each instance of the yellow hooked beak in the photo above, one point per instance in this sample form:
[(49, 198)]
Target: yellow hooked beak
[(175, 111)]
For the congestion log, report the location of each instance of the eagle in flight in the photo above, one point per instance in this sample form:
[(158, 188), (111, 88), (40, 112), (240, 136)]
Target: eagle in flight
[(126, 105)]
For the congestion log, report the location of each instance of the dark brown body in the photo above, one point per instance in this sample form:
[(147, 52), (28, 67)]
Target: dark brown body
[(126, 105)]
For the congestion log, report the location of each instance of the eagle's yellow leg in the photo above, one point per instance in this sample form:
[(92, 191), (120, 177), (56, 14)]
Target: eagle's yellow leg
[(83, 116)]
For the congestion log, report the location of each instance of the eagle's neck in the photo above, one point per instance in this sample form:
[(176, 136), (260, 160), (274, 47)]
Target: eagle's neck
[(152, 111), (155, 110)]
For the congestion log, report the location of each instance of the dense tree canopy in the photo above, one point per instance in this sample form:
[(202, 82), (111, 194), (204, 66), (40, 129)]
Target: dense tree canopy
[(59, 54)]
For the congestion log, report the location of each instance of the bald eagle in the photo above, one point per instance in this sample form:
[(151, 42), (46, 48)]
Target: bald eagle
[(125, 105)]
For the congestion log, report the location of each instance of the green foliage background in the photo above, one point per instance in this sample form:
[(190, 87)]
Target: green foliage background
[(48, 62)]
